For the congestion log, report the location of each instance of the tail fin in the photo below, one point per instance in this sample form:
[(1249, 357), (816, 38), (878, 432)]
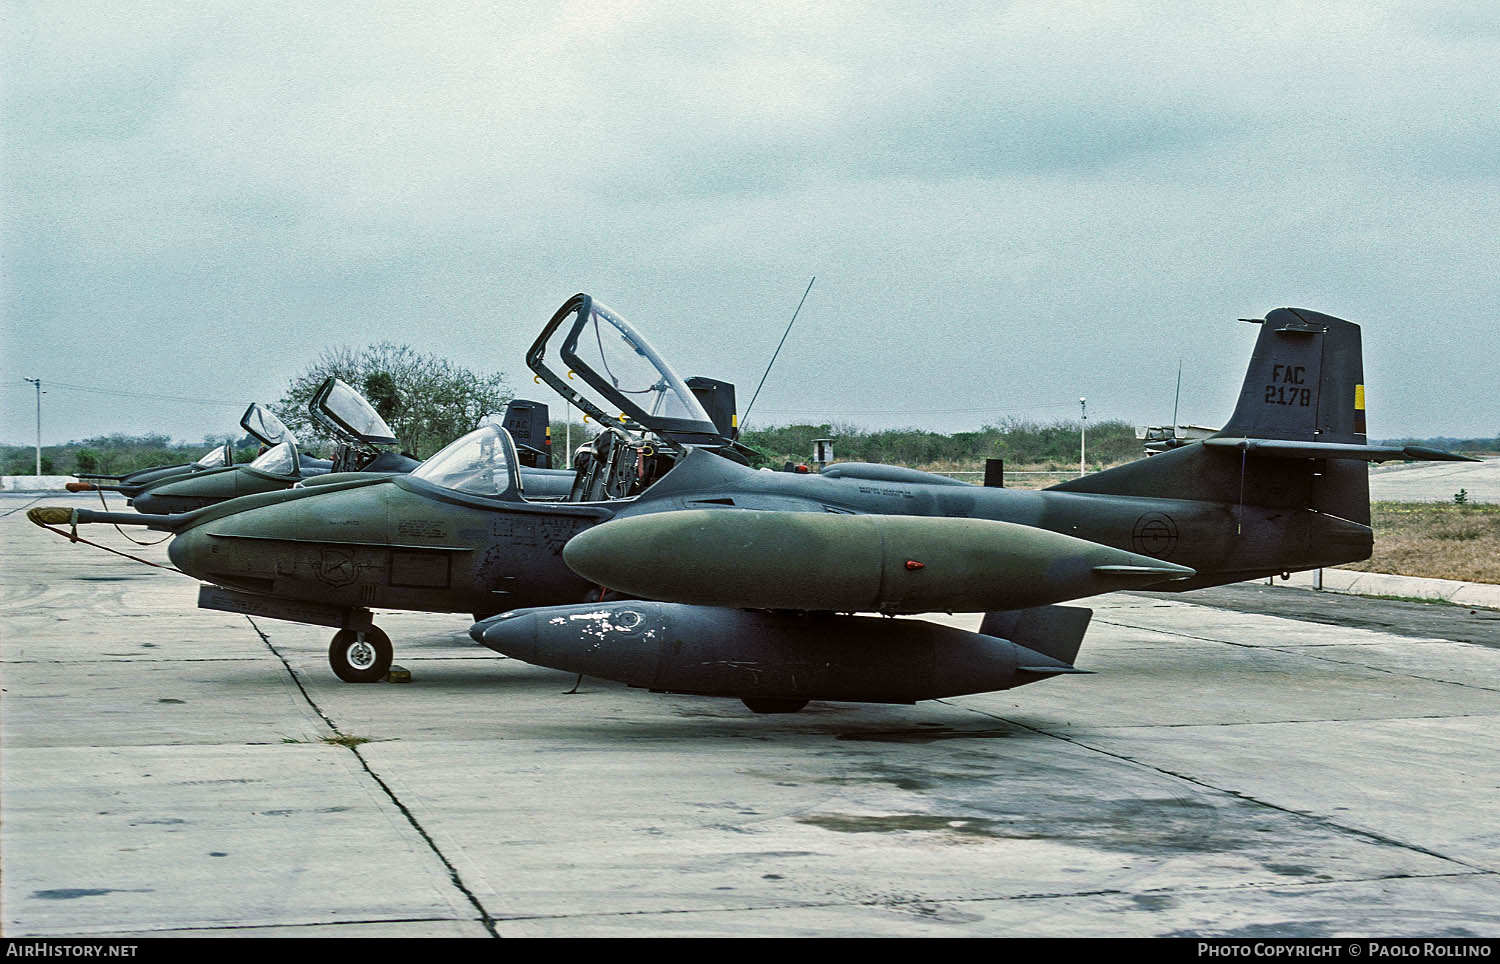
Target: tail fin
[(1305, 382), (1296, 439), (531, 430), (1285, 481)]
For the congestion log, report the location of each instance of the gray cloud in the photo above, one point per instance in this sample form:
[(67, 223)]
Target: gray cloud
[(1007, 205)]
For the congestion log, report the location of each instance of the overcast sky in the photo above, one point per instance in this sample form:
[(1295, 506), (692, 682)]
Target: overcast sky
[(1007, 205)]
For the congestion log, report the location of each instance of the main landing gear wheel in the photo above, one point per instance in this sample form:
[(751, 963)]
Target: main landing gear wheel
[(360, 657), (773, 706)]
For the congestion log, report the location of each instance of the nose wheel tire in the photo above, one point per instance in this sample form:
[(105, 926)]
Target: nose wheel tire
[(360, 657)]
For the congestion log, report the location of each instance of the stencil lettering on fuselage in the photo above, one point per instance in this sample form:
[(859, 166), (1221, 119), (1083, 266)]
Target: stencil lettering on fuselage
[(421, 529), (529, 532), (894, 493)]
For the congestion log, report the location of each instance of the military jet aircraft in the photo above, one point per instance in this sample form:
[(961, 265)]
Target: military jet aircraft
[(90, 481), (258, 421), (742, 583), (365, 443), (278, 466), (268, 431)]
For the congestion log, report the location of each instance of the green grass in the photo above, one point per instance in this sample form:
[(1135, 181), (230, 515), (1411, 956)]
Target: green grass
[(1435, 540), (341, 740)]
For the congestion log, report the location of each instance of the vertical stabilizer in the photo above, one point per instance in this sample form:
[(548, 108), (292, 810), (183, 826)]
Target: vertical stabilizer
[(1305, 381), (1305, 385)]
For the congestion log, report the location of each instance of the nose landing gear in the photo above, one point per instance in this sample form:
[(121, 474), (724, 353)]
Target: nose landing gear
[(360, 656)]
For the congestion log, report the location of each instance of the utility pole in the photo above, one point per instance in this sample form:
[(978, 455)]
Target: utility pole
[(1083, 436), (38, 383)]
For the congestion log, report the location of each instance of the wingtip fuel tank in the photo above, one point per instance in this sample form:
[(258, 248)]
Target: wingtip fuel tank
[(852, 563), (713, 651)]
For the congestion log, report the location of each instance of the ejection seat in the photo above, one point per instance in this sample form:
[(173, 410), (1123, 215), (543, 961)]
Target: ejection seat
[(608, 471)]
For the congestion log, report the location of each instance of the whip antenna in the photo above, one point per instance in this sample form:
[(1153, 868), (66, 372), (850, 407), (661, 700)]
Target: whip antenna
[(777, 352), (1177, 399)]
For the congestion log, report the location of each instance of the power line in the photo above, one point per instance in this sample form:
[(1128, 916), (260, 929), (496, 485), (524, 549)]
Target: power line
[(990, 410), (150, 395)]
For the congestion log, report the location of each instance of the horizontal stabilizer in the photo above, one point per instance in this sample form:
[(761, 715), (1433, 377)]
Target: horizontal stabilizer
[(1421, 453), (1291, 449)]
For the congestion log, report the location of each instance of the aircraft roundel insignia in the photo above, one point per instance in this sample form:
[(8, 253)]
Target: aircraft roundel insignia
[(1154, 534)]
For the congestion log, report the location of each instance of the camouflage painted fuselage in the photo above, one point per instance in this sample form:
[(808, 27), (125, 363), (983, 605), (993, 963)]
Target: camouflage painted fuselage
[(402, 543)]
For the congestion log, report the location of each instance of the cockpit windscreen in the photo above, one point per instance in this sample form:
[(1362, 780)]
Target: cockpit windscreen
[(480, 463), (278, 460), (215, 457)]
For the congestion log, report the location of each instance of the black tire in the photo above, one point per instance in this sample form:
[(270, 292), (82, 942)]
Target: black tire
[(360, 661), (758, 705)]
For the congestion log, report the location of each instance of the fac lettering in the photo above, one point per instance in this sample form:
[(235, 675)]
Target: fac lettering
[(1289, 374)]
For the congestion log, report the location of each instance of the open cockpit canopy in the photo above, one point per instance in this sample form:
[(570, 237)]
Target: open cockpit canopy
[(599, 362), (346, 414), (263, 424)]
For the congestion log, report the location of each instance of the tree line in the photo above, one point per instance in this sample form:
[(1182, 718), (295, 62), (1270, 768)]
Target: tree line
[(1052, 445), (1018, 442), (117, 454), (429, 401)]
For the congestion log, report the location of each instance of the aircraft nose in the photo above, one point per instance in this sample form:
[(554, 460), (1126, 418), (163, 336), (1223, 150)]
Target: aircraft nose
[(187, 551)]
